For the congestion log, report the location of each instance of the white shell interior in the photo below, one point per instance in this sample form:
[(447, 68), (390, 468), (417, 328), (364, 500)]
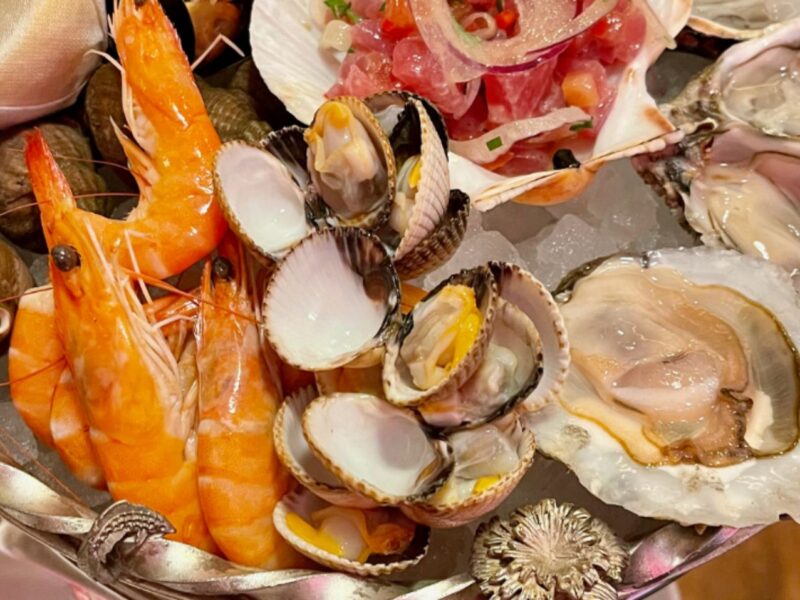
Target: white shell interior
[(295, 441), (756, 491), (372, 442), (263, 196), (283, 28), (318, 314)]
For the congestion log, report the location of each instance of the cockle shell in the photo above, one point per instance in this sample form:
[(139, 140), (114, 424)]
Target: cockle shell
[(294, 452), (304, 503), (301, 79), (22, 225), (336, 285), (398, 386), (14, 279)]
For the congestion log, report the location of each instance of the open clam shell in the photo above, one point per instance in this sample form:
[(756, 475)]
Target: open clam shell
[(337, 285), (430, 333), (490, 460), (510, 370), (301, 80), (302, 463), (260, 199), (441, 243), (523, 290), (377, 449), (351, 163), (347, 526), (698, 421)]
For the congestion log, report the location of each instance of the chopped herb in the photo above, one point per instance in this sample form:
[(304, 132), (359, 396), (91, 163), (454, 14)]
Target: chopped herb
[(501, 5), (351, 50), (587, 124), (494, 143), (342, 9), (383, 7)]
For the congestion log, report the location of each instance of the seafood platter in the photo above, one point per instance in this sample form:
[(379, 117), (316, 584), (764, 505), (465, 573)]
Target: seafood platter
[(409, 299)]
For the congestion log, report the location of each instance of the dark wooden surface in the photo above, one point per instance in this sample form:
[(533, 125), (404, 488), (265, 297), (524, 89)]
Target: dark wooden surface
[(766, 567)]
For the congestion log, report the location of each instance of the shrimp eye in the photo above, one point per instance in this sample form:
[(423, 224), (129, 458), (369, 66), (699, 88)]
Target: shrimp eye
[(65, 257), (222, 268), (565, 159)]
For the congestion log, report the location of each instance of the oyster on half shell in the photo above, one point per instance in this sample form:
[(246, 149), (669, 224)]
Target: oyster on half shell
[(684, 396), (734, 175), (740, 19)]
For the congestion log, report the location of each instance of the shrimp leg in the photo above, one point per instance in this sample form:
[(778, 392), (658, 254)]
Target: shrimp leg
[(240, 476)]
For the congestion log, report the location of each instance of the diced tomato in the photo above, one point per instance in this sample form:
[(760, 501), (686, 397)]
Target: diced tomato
[(398, 22), (515, 96), (506, 19), (364, 73)]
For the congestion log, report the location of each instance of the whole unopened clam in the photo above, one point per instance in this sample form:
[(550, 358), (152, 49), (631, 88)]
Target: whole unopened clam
[(684, 395), (20, 221), (14, 280), (331, 299)]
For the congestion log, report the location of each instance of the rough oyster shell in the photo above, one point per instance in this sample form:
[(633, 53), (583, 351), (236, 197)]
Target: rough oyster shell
[(755, 491), (634, 125), (294, 452), (336, 285), (304, 504)]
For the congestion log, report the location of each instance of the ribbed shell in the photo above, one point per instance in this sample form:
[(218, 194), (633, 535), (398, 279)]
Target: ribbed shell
[(303, 502), (398, 387)]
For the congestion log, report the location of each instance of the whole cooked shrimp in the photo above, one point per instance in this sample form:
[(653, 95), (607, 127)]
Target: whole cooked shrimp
[(177, 222), (240, 476), (43, 390), (140, 415)]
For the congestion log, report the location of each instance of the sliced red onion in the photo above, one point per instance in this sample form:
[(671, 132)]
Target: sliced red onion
[(492, 144), (543, 24)]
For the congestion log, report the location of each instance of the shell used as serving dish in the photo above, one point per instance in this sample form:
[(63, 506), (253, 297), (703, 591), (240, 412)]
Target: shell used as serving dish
[(302, 80)]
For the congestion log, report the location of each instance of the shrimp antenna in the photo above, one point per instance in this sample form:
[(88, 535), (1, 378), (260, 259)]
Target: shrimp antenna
[(220, 38), (109, 58), (58, 362), (94, 161), (29, 292), (21, 207), (163, 285)]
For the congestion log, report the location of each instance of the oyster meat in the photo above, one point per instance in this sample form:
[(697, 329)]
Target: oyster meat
[(684, 396), (740, 19), (733, 176)]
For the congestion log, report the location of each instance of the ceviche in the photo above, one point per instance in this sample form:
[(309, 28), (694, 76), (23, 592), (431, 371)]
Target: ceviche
[(516, 80)]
